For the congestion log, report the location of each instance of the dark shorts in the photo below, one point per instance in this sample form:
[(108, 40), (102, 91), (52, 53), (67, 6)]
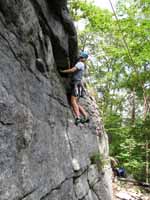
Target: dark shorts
[(77, 89)]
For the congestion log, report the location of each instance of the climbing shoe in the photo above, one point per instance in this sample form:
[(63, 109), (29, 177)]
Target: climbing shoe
[(77, 121), (84, 120)]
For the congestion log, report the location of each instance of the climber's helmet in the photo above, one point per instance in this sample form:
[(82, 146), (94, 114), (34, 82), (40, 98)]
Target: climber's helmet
[(84, 54)]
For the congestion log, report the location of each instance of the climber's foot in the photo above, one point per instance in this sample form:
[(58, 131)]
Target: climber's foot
[(85, 120), (77, 121)]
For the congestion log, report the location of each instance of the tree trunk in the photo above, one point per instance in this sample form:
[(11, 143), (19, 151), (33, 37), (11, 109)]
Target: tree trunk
[(146, 110), (133, 107), (147, 161)]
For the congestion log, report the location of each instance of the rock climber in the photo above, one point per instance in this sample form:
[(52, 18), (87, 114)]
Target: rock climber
[(77, 88)]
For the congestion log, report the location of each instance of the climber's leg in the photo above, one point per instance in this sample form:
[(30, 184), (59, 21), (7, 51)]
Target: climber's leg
[(82, 111), (75, 106)]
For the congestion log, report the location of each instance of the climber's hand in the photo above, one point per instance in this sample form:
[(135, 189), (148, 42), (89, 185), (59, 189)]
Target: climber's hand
[(73, 69), (61, 71)]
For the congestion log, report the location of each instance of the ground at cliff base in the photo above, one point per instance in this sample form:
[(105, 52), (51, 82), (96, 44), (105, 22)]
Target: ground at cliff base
[(129, 191)]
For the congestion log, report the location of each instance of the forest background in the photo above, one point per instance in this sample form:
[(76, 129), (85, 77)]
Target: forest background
[(119, 76)]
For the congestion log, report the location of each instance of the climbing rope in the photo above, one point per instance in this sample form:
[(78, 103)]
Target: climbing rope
[(123, 38), (130, 55)]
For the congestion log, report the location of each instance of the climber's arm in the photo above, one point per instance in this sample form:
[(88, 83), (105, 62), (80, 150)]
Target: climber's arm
[(71, 70)]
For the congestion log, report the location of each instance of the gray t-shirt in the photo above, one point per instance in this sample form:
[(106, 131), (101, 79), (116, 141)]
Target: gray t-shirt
[(77, 75)]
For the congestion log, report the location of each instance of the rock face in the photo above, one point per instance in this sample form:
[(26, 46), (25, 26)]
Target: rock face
[(44, 156)]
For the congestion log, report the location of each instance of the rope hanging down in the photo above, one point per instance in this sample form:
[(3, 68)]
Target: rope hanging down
[(124, 40), (130, 56)]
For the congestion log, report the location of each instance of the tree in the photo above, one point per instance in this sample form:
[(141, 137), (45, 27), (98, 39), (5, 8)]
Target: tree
[(120, 73)]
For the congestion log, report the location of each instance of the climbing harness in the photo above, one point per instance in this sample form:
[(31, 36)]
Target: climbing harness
[(79, 89)]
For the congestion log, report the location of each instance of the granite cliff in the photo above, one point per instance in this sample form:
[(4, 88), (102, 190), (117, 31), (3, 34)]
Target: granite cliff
[(44, 156)]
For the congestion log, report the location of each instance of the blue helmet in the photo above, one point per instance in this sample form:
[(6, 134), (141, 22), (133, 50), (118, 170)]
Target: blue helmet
[(84, 54)]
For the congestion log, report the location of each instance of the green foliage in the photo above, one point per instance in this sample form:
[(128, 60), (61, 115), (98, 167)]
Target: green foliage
[(98, 160), (120, 73)]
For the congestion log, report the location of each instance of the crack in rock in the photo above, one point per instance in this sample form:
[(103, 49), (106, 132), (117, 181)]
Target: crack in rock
[(27, 194), (6, 123), (58, 187)]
